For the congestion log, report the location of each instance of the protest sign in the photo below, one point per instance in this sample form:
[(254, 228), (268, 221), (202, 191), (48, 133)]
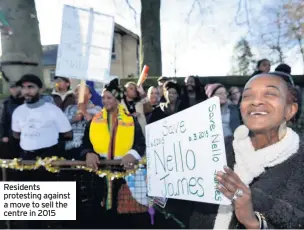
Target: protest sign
[(184, 153), (85, 47)]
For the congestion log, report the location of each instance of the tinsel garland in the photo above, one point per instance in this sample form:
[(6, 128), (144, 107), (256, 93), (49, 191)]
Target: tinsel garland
[(16, 164), (47, 164)]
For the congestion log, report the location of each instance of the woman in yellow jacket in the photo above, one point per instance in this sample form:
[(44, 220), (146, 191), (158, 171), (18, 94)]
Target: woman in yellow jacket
[(115, 134)]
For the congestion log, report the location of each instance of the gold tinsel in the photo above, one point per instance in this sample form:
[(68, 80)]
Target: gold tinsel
[(47, 164)]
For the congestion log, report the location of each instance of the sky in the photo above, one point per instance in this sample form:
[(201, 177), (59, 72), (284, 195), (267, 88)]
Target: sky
[(202, 46)]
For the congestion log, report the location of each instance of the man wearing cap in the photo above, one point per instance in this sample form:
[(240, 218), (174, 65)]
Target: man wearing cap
[(161, 81), (63, 96), (39, 125), (9, 105)]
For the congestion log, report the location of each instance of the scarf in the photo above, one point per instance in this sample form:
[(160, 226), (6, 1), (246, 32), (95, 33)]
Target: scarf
[(112, 138), (251, 163), (36, 104)]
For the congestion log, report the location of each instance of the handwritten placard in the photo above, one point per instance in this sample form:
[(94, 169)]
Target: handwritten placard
[(184, 153), (85, 47)]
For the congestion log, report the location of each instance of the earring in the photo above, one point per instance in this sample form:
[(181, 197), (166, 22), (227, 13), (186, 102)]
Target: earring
[(282, 130), (241, 133)]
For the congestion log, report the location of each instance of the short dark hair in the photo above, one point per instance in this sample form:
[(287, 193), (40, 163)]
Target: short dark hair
[(283, 68), (129, 83), (295, 95), (162, 79), (261, 61), (172, 85)]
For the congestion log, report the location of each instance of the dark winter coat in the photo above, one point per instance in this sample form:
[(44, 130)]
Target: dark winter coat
[(162, 111), (9, 106)]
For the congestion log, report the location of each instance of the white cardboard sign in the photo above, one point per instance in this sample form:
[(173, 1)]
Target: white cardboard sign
[(85, 47), (184, 153)]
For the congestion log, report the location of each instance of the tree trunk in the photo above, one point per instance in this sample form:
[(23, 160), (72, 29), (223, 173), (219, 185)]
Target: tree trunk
[(150, 42), (21, 51)]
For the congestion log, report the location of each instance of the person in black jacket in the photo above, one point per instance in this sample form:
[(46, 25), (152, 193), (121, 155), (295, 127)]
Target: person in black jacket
[(172, 105), (192, 93), (11, 146), (230, 113), (161, 81)]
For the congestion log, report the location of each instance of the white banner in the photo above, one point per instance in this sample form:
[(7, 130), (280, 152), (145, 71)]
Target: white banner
[(184, 153), (85, 47)]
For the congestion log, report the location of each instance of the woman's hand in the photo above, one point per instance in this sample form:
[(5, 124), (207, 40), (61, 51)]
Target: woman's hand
[(141, 90), (128, 161), (230, 183), (92, 160)]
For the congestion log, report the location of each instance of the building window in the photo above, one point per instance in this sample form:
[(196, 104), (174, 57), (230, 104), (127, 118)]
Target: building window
[(113, 50), (52, 74)]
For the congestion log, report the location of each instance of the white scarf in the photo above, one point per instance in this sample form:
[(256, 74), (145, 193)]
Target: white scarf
[(251, 164)]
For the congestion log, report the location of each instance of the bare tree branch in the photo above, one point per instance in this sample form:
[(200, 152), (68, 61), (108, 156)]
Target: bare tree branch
[(201, 9), (247, 14), (238, 12), (191, 11), (133, 10), (273, 34)]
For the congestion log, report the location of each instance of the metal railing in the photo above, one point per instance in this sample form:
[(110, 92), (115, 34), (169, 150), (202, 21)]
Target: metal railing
[(67, 170)]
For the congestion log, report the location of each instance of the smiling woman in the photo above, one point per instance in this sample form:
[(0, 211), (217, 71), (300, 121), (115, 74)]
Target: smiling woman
[(264, 177), (269, 102)]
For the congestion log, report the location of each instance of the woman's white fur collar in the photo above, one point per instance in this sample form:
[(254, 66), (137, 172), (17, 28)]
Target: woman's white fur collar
[(251, 163)]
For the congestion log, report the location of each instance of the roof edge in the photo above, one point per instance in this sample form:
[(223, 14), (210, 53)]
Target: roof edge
[(125, 30)]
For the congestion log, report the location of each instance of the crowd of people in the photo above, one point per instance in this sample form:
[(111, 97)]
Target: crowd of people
[(264, 155)]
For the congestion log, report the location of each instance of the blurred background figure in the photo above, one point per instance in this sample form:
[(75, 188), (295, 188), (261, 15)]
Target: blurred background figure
[(264, 65), (172, 105), (234, 95), (79, 115), (10, 146), (134, 104), (230, 112), (192, 93), (62, 94), (96, 98), (161, 81), (153, 97), (283, 68)]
